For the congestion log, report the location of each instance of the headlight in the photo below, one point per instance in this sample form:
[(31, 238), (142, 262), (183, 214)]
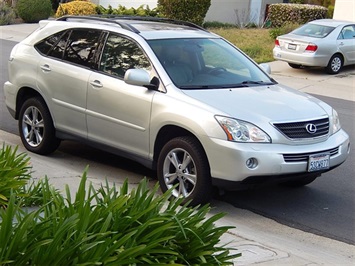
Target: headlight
[(242, 131), (335, 122)]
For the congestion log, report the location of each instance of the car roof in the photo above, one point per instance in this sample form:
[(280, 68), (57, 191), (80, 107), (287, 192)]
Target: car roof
[(147, 27), (331, 22)]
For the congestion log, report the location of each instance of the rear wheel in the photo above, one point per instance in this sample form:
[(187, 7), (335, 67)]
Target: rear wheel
[(182, 164), (36, 127), (294, 65), (335, 64)]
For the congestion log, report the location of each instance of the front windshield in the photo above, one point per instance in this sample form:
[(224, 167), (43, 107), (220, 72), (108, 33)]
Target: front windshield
[(207, 63)]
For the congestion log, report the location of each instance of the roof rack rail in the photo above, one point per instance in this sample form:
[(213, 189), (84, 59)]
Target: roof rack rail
[(114, 19), (100, 18)]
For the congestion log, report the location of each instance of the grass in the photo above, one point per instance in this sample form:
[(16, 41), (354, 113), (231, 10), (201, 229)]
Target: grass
[(256, 43)]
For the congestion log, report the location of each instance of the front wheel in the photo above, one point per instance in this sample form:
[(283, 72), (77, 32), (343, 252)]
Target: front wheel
[(36, 127), (183, 167), (335, 64)]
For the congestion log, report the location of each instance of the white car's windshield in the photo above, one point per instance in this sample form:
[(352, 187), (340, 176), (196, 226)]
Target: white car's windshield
[(207, 63)]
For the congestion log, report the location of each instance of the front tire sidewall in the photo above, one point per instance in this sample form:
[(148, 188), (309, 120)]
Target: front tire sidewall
[(202, 190), (49, 142)]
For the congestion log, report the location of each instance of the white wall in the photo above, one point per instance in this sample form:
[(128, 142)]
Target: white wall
[(226, 11), (344, 10)]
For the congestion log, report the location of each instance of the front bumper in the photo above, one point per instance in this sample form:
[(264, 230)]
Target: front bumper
[(228, 159)]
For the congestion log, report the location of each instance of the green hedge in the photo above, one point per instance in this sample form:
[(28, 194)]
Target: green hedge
[(32, 11), (188, 10), (280, 14), (142, 10)]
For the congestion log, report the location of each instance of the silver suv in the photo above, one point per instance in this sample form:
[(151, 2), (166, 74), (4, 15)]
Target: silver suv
[(172, 96)]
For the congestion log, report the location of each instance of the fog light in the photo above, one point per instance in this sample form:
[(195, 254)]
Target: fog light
[(252, 163)]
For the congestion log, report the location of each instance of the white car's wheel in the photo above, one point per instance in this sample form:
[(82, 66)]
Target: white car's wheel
[(335, 64), (183, 167), (36, 127)]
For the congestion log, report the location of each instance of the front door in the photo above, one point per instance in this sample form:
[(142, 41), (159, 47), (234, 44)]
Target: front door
[(118, 114)]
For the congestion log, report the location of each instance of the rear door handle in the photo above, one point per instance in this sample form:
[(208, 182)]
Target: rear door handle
[(96, 83), (46, 68)]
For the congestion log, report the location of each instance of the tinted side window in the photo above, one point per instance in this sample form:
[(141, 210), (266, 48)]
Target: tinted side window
[(81, 46), (348, 32), (47, 44), (121, 54), (58, 50)]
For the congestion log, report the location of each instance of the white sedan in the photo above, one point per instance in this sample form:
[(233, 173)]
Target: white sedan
[(325, 43)]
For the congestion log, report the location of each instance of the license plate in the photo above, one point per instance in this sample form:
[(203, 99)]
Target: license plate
[(318, 162), (291, 46)]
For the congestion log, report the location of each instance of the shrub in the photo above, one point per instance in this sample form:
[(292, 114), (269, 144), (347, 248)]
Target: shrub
[(330, 11), (7, 15), (14, 172), (286, 28), (111, 227), (279, 14), (78, 7), (32, 11), (142, 10), (188, 10)]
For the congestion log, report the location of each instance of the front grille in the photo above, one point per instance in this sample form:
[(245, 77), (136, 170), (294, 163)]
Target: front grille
[(298, 130), (303, 157)]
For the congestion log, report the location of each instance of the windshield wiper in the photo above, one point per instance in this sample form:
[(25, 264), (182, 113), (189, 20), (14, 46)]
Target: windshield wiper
[(252, 82)]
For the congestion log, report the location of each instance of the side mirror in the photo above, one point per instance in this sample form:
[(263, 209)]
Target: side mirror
[(138, 77), (266, 68)]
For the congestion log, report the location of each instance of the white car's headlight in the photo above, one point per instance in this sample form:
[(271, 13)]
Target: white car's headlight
[(242, 131), (335, 122)]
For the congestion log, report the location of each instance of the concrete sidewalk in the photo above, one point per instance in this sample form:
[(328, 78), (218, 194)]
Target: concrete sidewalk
[(261, 241)]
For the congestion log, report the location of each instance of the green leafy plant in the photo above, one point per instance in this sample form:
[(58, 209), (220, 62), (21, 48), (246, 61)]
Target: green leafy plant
[(110, 226), (7, 15), (187, 10), (15, 171), (280, 14), (78, 7), (32, 11), (142, 10)]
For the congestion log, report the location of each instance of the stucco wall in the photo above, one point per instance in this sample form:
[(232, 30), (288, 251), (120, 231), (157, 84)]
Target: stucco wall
[(227, 11), (344, 10)]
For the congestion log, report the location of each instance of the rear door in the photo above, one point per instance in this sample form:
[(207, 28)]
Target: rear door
[(63, 75)]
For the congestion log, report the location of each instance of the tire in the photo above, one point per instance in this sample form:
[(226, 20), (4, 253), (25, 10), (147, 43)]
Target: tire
[(193, 180), (36, 127), (294, 65), (335, 64), (303, 181)]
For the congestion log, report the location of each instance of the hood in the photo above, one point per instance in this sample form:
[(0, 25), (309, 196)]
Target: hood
[(259, 104)]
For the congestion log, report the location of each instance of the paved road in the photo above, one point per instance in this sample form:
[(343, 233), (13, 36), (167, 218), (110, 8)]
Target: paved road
[(326, 207)]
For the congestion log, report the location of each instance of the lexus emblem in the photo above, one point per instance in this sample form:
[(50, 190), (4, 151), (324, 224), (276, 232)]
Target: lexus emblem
[(311, 128)]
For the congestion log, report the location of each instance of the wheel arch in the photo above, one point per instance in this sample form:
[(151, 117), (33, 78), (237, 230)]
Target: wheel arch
[(167, 133), (23, 94)]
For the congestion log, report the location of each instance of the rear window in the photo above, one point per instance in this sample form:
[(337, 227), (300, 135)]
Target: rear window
[(314, 30)]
